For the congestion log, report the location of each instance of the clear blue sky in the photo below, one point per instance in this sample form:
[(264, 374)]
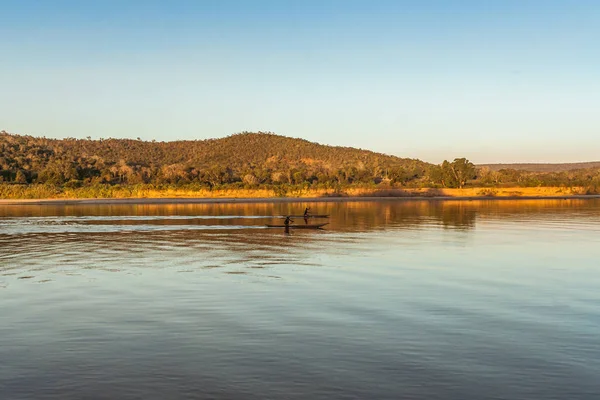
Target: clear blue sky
[(494, 81)]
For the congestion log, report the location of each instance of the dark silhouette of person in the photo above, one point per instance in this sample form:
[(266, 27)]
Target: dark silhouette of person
[(306, 212), (287, 223)]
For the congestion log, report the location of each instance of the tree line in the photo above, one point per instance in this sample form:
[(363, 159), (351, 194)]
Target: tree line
[(245, 160)]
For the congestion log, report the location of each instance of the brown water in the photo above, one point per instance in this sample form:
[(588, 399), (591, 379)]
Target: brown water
[(392, 300)]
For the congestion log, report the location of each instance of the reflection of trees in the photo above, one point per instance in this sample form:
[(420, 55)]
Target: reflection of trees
[(456, 215), (352, 216), (401, 214), (404, 214), (235, 249)]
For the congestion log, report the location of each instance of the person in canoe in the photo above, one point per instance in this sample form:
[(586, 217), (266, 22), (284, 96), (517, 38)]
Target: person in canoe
[(287, 223)]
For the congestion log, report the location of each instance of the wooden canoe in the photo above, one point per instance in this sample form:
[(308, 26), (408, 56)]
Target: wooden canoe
[(311, 216), (298, 226)]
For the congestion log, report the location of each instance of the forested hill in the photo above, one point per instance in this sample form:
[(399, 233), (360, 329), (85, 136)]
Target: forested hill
[(250, 158)]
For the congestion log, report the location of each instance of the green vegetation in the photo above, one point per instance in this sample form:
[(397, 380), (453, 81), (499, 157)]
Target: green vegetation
[(32, 167), (249, 159), (453, 174)]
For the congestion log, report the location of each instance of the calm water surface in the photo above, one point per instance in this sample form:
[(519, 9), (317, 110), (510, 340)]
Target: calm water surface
[(393, 300)]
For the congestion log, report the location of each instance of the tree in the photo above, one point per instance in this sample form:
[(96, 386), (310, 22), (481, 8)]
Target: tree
[(436, 175), (453, 174), (461, 170), (20, 177), (250, 179)]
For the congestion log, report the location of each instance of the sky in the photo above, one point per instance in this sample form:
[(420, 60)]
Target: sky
[(492, 81)]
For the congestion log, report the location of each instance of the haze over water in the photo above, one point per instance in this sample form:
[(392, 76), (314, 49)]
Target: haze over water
[(393, 300)]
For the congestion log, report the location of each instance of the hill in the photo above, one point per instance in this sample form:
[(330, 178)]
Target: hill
[(247, 158), (34, 167), (540, 167)]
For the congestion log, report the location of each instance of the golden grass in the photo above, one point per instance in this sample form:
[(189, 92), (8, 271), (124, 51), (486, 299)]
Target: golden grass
[(124, 192), (467, 192), (503, 192)]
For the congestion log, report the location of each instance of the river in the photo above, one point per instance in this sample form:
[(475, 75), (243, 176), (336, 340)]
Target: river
[(391, 300)]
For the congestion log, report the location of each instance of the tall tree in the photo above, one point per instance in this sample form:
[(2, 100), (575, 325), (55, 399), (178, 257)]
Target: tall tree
[(462, 170)]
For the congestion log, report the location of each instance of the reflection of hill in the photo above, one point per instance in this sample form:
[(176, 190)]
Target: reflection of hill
[(353, 216), (195, 236)]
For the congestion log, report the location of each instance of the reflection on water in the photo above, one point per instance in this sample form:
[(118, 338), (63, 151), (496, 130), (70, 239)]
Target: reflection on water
[(394, 299), (359, 215)]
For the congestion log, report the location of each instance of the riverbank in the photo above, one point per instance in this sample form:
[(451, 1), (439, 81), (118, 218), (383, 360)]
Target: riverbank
[(200, 200), (174, 195), (46, 192)]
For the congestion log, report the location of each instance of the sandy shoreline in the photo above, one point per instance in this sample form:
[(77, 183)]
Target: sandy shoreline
[(204, 200)]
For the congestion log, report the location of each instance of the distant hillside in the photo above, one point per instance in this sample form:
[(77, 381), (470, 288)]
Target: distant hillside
[(532, 167), (250, 158), (39, 167)]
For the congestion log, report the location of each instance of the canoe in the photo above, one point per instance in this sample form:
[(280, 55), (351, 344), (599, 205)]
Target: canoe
[(311, 216), (298, 226)]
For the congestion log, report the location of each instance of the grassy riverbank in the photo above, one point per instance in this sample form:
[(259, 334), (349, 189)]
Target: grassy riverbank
[(15, 192)]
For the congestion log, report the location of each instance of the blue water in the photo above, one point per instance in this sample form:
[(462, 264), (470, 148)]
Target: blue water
[(392, 300)]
